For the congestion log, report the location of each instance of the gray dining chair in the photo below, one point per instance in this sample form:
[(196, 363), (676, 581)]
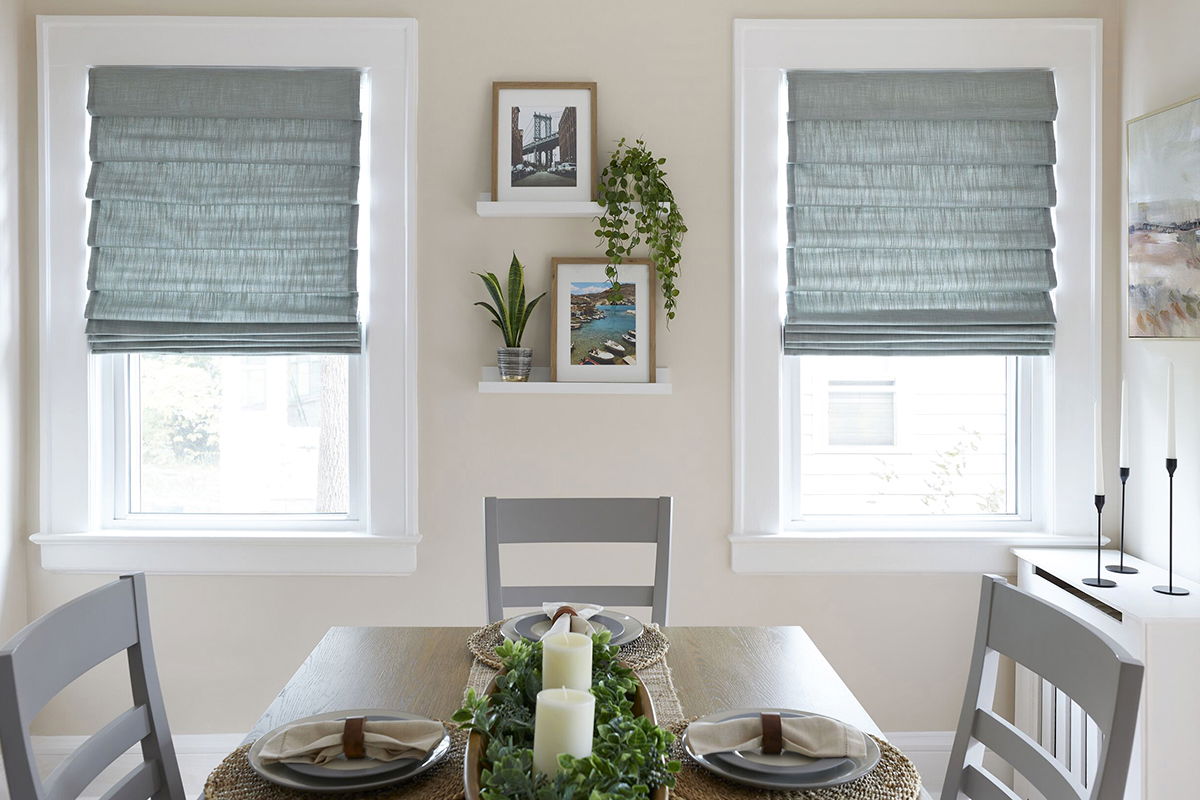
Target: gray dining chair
[(547, 520), (48, 654), (1080, 661)]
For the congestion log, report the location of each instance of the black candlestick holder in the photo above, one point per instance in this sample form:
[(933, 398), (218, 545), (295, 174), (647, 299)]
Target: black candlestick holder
[(1171, 588), (1103, 583), (1120, 567)]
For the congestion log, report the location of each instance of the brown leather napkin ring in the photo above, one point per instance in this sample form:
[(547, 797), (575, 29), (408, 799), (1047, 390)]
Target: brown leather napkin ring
[(563, 610), (352, 738), (772, 734)]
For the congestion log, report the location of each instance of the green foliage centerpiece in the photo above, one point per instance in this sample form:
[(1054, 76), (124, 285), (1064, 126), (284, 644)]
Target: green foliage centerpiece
[(629, 753), (511, 314)]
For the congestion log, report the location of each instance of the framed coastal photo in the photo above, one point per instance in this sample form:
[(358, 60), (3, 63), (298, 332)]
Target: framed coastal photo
[(597, 333), (544, 141), (1163, 222)]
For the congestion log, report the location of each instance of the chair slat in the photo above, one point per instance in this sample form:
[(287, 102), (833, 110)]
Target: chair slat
[(578, 519), (142, 782), (88, 760), (1074, 644), (516, 596), (97, 626), (979, 785), (1026, 757)]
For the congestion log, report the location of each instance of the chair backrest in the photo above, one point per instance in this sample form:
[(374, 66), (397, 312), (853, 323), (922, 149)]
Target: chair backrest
[(49, 653), (1086, 665), (609, 519)]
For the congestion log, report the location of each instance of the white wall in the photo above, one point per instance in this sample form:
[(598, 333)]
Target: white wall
[(226, 644), (1161, 67), (12, 547)]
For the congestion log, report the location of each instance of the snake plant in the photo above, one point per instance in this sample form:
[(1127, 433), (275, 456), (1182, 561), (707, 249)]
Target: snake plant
[(510, 315)]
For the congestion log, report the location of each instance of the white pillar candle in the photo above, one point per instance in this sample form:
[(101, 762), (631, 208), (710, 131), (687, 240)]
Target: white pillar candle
[(563, 723), (1170, 409), (1098, 452), (567, 661), (1124, 455)]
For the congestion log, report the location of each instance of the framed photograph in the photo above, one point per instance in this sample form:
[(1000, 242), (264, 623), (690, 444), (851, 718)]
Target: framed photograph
[(1163, 222), (544, 141), (600, 333)]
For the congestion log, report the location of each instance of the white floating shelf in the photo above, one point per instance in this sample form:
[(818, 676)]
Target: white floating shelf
[(537, 208), (539, 383)]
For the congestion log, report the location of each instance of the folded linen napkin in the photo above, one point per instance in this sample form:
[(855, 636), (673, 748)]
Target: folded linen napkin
[(574, 623), (816, 737), (321, 742)]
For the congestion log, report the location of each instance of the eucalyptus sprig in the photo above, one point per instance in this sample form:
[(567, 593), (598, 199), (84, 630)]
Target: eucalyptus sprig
[(629, 754), (633, 175)]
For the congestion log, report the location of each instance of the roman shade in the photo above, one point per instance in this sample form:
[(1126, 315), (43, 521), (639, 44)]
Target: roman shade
[(223, 210), (918, 213)]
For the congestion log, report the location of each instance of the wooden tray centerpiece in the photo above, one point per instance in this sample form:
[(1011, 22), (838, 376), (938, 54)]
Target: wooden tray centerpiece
[(625, 724)]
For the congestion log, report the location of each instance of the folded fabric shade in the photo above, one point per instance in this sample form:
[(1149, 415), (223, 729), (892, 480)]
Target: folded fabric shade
[(816, 737), (321, 742)]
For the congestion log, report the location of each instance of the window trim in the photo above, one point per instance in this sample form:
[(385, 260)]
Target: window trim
[(763, 49), (73, 485)]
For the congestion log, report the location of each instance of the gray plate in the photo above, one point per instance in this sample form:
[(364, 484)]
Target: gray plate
[(342, 781), (788, 771), (624, 628)]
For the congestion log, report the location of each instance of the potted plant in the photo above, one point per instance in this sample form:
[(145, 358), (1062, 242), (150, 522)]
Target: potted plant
[(634, 176), (510, 316)]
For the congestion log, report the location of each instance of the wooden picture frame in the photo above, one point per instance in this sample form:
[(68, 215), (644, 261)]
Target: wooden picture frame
[(538, 171), (592, 338)]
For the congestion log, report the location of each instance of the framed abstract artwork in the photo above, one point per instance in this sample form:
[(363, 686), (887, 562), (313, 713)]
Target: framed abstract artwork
[(599, 331), (544, 141), (1163, 222)]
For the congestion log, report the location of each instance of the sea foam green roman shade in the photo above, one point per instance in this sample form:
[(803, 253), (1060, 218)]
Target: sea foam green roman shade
[(919, 212), (224, 212)]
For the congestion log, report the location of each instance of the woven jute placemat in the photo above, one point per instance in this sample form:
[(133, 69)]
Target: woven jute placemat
[(649, 648), (893, 778), (235, 779)]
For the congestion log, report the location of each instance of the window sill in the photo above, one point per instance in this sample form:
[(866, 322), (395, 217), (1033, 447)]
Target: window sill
[(227, 553), (860, 552)]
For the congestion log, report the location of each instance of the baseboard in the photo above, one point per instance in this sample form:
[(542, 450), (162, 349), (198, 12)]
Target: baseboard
[(185, 744), (929, 751)]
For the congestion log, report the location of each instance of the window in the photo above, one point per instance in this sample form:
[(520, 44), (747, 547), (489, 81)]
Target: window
[(957, 450), (174, 458)]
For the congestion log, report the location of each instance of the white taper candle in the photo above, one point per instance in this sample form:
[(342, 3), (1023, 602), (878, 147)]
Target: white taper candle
[(1170, 409), (1098, 452), (1124, 455)]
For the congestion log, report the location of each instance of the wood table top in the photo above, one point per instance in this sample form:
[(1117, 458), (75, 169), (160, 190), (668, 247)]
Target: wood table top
[(424, 671)]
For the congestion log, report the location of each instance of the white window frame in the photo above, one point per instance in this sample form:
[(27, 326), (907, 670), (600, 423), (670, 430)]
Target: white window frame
[(79, 529), (761, 541)]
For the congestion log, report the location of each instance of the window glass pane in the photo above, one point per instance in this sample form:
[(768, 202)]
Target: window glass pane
[(239, 434), (901, 436)]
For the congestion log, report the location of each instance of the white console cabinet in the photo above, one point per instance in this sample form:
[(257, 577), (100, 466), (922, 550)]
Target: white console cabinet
[(1162, 631)]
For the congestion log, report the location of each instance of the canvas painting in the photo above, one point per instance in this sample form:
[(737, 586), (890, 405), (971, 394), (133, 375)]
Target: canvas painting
[(1164, 217)]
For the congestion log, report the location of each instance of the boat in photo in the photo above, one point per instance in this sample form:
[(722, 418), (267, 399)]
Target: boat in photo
[(600, 357), (630, 336), (616, 348)]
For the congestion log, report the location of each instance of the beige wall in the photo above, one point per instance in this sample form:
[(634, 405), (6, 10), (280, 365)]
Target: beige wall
[(664, 73), (1162, 67), (12, 548)]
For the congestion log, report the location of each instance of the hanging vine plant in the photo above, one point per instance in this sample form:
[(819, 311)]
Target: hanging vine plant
[(639, 207)]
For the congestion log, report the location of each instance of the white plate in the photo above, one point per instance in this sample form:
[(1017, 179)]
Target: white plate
[(367, 778)]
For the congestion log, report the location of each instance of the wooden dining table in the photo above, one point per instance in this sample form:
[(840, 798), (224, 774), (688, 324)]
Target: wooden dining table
[(424, 671)]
